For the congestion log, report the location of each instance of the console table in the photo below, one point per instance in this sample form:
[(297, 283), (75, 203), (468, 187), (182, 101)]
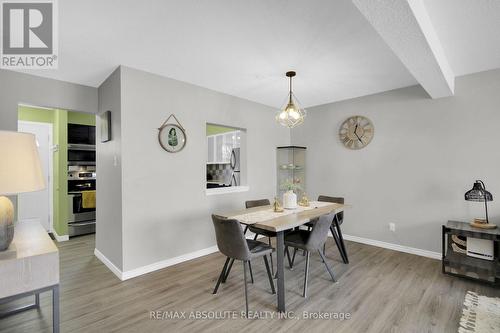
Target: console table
[(29, 267), (459, 264)]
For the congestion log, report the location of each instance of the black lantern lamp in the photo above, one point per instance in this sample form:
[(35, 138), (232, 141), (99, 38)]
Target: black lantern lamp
[(479, 194)]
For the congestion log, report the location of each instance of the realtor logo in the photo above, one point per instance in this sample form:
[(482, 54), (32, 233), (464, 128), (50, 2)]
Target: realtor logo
[(29, 39)]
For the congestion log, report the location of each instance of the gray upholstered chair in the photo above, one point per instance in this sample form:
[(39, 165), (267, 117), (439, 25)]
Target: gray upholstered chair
[(335, 227), (232, 243), (310, 241), (258, 231)]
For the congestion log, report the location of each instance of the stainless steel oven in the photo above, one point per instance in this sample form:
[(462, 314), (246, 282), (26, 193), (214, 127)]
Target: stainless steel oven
[(80, 220)]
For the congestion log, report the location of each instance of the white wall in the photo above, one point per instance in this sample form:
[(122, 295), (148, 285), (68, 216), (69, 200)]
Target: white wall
[(109, 172), (165, 210), (425, 155)]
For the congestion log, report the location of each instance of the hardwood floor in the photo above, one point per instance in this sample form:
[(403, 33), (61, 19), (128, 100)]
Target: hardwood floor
[(382, 290)]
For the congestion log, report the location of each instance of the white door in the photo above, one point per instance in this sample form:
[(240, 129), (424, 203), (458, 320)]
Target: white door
[(38, 205)]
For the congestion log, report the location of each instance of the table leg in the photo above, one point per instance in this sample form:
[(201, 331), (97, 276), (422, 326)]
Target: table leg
[(280, 251), (55, 309), (339, 232)]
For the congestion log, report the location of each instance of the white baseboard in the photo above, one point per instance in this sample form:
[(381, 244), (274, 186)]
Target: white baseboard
[(62, 238), (108, 264), (395, 247), (152, 267), (168, 262)]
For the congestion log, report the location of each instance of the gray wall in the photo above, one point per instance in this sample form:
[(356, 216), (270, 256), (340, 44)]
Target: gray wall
[(165, 210), (425, 155), (18, 88), (109, 173)]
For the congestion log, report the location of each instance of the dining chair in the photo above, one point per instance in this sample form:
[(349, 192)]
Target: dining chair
[(257, 231), (310, 241), (338, 219), (232, 243)]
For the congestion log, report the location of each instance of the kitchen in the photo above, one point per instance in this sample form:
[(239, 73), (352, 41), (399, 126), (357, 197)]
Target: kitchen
[(66, 145), (225, 146)]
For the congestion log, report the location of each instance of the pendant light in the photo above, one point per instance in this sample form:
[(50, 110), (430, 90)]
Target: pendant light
[(291, 114)]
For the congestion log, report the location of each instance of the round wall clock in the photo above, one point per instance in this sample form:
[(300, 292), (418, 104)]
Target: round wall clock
[(172, 137), (356, 132)]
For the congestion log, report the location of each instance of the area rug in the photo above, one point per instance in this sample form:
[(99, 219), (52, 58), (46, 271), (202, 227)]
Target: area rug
[(480, 314)]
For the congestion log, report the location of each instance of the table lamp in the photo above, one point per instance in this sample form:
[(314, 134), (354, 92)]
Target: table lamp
[(478, 193), (20, 171)]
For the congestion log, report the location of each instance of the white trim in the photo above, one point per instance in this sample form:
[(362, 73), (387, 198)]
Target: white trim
[(50, 185), (108, 264), (224, 190), (155, 266), (62, 238), (35, 106), (395, 247), (168, 262)]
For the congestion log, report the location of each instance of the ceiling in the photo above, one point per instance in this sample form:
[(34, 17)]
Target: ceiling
[(243, 48), (469, 31)]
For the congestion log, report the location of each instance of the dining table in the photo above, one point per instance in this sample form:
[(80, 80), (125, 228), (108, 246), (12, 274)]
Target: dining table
[(264, 217)]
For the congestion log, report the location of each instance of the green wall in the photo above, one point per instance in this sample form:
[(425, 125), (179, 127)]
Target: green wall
[(59, 119), (81, 118), (217, 129)]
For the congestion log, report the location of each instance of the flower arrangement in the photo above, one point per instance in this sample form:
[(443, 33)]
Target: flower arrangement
[(291, 185)]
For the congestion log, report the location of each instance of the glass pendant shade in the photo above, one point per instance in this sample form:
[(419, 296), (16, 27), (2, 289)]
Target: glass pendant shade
[(291, 114)]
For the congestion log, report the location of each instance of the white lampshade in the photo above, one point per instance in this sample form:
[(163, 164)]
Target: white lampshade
[(20, 168)]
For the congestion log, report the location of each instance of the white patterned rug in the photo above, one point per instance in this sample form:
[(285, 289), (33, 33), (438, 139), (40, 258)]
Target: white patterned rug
[(480, 314)]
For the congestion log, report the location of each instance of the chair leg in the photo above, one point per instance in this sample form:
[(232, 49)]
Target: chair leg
[(269, 275), (271, 257), (288, 257), (293, 257), (326, 265), (245, 282), (255, 237), (245, 231), (221, 276), (324, 246), (228, 270), (304, 294), (251, 272)]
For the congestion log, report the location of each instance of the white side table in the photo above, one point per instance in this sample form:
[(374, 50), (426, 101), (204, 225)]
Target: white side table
[(31, 270)]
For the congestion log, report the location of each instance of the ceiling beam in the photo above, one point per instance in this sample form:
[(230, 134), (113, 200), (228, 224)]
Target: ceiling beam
[(406, 28)]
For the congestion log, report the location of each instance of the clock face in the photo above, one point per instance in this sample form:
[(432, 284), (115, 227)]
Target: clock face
[(356, 132)]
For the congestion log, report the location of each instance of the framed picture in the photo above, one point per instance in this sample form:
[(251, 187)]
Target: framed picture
[(106, 126), (172, 138)]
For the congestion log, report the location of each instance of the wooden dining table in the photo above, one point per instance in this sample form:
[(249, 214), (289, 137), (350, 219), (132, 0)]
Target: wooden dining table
[(263, 217)]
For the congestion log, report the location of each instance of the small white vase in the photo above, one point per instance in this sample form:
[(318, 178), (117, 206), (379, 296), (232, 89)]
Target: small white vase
[(289, 200)]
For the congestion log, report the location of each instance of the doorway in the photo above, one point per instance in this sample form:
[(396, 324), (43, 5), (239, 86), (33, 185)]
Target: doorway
[(39, 205)]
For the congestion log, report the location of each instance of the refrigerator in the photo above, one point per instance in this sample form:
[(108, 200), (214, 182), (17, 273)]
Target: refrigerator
[(235, 167)]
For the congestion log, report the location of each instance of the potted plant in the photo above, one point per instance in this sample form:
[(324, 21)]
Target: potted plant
[(289, 197)]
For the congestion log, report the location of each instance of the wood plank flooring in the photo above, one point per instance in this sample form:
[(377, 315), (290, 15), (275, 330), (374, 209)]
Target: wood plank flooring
[(382, 290)]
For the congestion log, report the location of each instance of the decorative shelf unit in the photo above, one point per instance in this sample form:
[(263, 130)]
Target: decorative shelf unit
[(462, 265), (291, 166)]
